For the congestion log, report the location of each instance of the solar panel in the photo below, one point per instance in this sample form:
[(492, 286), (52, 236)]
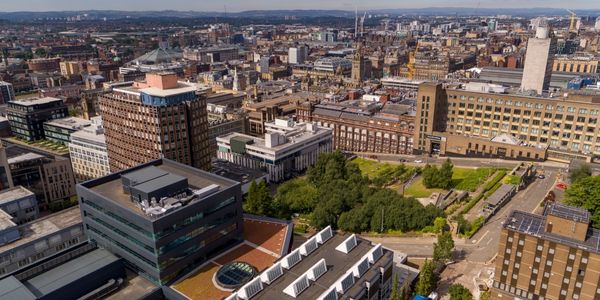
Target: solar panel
[(271, 273), (375, 253), (250, 289), (330, 294), (347, 245), (232, 297), (291, 259), (345, 283), (360, 268), (324, 235), (298, 286), (309, 246), (317, 270)]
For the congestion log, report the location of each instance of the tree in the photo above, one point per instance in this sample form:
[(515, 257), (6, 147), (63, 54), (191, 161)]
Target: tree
[(487, 295), (442, 250), (459, 292), (258, 200), (445, 175), (296, 196), (582, 171), (427, 279), (40, 52), (585, 193), (429, 176), (439, 225), (404, 293), (395, 294)]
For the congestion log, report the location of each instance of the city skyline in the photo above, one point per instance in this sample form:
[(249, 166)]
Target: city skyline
[(237, 5)]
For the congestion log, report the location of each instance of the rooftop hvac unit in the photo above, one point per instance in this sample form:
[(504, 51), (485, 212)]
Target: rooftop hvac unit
[(309, 246), (330, 294), (250, 289), (298, 286), (317, 270), (324, 235), (291, 259), (375, 253), (272, 273)]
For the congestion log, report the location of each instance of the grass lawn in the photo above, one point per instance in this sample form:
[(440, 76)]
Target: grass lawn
[(372, 168), (418, 190), (462, 179), (469, 179)]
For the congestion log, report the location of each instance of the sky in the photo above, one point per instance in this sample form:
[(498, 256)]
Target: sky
[(241, 5)]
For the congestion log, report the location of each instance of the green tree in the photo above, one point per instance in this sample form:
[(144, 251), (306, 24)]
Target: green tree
[(442, 250), (40, 52), (296, 196), (404, 293), (585, 193), (258, 200), (439, 224), (487, 295), (395, 294), (329, 166), (582, 171), (427, 279), (429, 174), (459, 292), (445, 175)]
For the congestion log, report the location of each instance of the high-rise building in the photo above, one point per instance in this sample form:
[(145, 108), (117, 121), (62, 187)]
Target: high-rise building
[(156, 118), (538, 61), (551, 256), (164, 218), (7, 93), (297, 55), (27, 116), (597, 24), (88, 153)]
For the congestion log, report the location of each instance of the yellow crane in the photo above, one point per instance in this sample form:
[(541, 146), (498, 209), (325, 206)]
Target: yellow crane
[(572, 24)]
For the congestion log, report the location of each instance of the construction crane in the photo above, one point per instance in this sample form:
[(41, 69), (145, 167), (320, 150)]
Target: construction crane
[(572, 24)]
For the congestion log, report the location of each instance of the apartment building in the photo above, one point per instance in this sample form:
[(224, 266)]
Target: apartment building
[(20, 204), (551, 256), (487, 120), (156, 118), (7, 92)]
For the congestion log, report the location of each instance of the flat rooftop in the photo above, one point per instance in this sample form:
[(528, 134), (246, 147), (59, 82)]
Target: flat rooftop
[(532, 224), (45, 226), (69, 272), (6, 220), (70, 123), (235, 172), (24, 157), (13, 194), (260, 145), (35, 101), (338, 263), (111, 187), (265, 241)]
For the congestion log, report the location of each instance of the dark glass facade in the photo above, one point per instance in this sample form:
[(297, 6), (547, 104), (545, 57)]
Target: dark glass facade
[(163, 248)]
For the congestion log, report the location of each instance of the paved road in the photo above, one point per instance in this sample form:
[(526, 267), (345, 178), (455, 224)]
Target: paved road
[(486, 240), (484, 245)]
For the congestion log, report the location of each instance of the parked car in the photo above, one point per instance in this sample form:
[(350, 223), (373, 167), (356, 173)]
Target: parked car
[(418, 161)]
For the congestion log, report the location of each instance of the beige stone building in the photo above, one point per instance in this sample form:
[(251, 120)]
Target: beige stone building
[(551, 256)]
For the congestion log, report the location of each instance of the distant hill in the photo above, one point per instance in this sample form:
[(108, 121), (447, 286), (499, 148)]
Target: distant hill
[(438, 11)]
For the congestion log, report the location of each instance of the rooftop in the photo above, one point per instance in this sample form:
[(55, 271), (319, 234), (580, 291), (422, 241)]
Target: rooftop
[(6, 221), (70, 123), (568, 212), (111, 186), (532, 224), (45, 226), (265, 241), (35, 101), (69, 272), (15, 193), (24, 157)]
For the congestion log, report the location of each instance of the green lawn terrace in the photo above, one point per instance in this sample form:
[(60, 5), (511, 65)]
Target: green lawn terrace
[(44, 145)]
